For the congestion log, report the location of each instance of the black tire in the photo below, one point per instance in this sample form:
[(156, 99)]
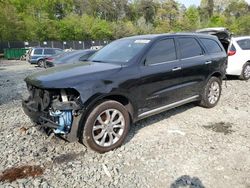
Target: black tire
[(92, 118), (40, 63), (205, 96), (243, 75), (45, 65)]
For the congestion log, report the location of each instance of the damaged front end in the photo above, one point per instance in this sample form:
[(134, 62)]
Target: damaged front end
[(55, 109)]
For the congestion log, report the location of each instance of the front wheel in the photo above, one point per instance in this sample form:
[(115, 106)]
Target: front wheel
[(106, 126), (211, 93)]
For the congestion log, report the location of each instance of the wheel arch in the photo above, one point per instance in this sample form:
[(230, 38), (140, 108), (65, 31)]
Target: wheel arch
[(217, 74), (93, 101), (124, 100)]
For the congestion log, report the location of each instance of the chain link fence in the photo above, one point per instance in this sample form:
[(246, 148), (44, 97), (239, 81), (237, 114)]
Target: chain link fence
[(76, 45)]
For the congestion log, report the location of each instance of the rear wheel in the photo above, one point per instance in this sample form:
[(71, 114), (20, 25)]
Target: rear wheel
[(40, 63), (106, 126), (211, 93), (245, 75)]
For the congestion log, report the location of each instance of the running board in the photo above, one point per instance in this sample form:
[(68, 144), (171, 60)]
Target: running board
[(168, 107)]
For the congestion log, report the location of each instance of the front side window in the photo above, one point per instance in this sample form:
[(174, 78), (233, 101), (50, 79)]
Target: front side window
[(162, 51), (38, 51), (189, 47), (244, 44), (120, 51), (211, 46)]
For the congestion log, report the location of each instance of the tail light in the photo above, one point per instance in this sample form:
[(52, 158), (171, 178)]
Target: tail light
[(49, 59), (231, 52)]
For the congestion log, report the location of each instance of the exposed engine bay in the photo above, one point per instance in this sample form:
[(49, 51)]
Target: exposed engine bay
[(53, 109)]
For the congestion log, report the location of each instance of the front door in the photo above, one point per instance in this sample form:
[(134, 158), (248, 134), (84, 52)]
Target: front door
[(160, 76)]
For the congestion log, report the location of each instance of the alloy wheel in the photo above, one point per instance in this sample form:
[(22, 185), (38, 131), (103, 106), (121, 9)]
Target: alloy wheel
[(108, 127), (247, 71), (214, 92)]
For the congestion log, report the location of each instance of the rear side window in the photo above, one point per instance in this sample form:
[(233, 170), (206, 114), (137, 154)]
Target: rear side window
[(38, 51), (232, 48), (162, 51), (49, 51), (189, 47), (211, 46), (58, 51), (244, 44)]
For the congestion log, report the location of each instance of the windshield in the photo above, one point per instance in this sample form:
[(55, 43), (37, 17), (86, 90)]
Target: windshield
[(120, 51)]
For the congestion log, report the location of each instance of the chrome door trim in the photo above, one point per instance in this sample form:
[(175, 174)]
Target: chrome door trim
[(167, 107)]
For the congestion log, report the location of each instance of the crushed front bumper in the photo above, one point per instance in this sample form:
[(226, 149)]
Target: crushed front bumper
[(42, 119), (33, 113), (38, 117)]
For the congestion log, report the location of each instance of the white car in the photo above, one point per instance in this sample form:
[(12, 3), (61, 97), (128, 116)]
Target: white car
[(239, 57)]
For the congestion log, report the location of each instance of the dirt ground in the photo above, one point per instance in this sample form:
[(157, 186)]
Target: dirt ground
[(188, 146)]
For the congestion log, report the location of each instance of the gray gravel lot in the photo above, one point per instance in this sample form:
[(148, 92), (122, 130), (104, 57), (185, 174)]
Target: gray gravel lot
[(188, 145)]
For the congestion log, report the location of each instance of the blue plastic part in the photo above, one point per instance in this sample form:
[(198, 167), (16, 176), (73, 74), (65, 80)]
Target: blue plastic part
[(64, 119)]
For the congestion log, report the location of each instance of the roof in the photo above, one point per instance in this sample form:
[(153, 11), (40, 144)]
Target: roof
[(213, 29), (155, 36), (39, 47), (241, 38)]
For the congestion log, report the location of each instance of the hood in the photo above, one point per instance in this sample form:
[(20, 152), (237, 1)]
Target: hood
[(221, 32), (71, 75)]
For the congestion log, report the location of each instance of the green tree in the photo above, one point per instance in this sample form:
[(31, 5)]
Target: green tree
[(10, 24), (192, 18)]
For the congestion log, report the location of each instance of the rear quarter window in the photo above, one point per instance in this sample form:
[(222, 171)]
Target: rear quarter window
[(211, 45), (38, 51), (244, 44)]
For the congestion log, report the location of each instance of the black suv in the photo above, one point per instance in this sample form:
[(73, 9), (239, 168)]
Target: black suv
[(95, 102)]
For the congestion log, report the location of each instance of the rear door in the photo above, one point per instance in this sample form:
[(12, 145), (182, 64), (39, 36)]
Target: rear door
[(244, 44), (195, 66), (216, 54)]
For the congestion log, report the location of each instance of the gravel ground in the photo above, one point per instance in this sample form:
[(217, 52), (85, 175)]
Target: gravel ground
[(186, 147)]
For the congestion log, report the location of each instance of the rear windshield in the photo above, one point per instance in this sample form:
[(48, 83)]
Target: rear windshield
[(244, 44)]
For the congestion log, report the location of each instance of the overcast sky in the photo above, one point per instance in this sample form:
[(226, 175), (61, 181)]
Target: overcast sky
[(187, 3)]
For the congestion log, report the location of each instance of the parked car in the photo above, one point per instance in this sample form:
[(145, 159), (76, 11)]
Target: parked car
[(38, 54), (95, 102), (68, 57), (239, 57)]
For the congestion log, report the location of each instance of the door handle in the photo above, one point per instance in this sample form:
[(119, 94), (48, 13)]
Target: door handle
[(208, 62), (176, 69)]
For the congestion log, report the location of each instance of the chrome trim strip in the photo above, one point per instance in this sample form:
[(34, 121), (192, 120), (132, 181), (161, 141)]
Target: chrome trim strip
[(166, 62), (167, 107), (192, 57)]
